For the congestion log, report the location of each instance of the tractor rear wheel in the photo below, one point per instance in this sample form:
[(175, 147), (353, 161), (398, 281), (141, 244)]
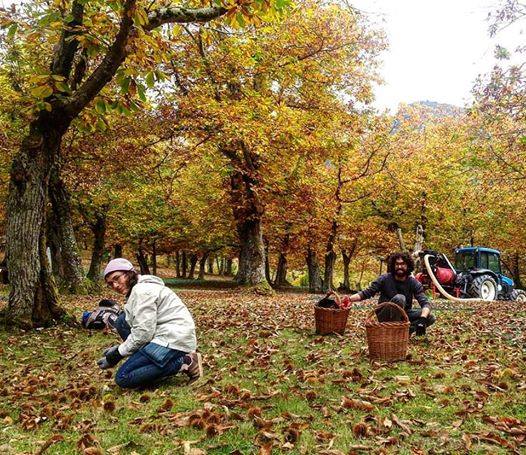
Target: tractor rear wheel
[(483, 287), (519, 295)]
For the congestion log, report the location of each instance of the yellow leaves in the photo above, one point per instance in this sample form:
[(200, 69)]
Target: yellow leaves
[(42, 91), (140, 17)]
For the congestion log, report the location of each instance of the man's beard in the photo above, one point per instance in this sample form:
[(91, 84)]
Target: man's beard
[(401, 273)]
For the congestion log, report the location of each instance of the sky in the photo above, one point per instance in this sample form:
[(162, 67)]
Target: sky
[(436, 48)]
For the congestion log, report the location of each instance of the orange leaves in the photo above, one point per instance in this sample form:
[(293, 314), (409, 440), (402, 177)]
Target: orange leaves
[(361, 405)]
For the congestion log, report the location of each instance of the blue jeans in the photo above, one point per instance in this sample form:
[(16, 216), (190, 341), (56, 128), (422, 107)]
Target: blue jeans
[(149, 364)]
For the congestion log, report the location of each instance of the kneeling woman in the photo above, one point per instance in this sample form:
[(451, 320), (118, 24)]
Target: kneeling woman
[(157, 329)]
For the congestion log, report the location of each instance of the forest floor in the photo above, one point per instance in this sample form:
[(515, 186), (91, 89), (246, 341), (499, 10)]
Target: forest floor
[(273, 386)]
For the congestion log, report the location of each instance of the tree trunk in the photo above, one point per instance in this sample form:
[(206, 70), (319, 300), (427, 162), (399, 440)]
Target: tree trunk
[(228, 267), (193, 262), (401, 240), (184, 264), (202, 265), (142, 259), (98, 228), (211, 264), (330, 257), (33, 295), (63, 242), (178, 264), (516, 271), (281, 272), (347, 256), (346, 261), (154, 257), (117, 251), (328, 275), (313, 267), (247, 212), (267, 261)]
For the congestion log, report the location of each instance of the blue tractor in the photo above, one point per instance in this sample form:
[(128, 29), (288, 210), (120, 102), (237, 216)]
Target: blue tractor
[(477, 273)]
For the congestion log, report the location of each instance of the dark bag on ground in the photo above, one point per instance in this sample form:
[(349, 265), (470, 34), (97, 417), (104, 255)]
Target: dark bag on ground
[(102, 317)]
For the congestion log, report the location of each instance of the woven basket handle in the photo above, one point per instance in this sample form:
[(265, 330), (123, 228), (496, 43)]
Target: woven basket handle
[(336, 296), (369, 317)]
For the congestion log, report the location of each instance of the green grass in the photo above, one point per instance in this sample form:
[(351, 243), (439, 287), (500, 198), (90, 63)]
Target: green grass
[(271, 382)]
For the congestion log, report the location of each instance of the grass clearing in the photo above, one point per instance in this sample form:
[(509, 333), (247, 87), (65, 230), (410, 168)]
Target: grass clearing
[(273, 385)]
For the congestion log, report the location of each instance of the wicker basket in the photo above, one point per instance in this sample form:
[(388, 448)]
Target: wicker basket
[(330, 320), (387, 341)]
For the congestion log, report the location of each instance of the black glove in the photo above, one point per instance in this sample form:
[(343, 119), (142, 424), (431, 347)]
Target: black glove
[(421, 325), (111, 358)]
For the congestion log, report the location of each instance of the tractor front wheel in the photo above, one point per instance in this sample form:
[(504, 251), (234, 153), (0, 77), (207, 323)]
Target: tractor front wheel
[(483, 287), (519, 295)]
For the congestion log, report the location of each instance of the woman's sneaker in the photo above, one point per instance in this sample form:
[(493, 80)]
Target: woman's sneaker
[(194, 369)]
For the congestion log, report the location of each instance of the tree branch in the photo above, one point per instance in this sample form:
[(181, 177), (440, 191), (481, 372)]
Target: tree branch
[(67, 47), (183, 15), (107, 68)]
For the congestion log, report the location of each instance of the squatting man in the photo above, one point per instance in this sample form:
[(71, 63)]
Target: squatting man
[(400, 287)]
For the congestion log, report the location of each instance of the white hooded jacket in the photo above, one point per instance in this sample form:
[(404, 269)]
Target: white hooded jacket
[(156, 314)]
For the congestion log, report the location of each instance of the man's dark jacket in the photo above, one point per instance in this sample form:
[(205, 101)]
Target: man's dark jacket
[(388, 287)]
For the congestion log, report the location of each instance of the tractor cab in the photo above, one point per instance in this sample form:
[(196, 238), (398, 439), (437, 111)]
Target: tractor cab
[(480, 261), (473, 258)]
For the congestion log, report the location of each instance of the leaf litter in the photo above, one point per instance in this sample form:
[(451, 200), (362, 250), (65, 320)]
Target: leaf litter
[(274, 386)]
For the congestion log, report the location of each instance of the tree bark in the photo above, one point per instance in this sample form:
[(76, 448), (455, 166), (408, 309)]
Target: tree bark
[(117, 251), (267, 260), (228, 267), (142, 259), (330, 257), (516, 271), (247, 212), (313, 267), (33, 296), (184, 264), (98, 228), (178, 264), (62, 236), (193, 262), (346, 261), (211, 264), (281, 270), (347, 256), (202, 265)]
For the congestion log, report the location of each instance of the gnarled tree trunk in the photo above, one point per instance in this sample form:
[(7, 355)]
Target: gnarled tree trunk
[(33, 296), (247, 213)]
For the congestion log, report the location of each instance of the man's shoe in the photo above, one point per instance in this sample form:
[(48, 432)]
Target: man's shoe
[(195, 369)]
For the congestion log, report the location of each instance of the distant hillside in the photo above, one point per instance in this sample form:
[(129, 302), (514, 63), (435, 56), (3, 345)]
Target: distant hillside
[(439, 110)]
